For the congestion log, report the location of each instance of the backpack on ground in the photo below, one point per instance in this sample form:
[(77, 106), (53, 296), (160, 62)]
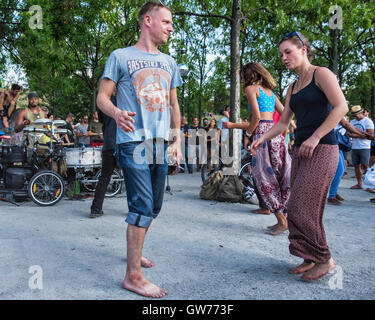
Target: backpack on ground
[(230, 189), (210, 186)]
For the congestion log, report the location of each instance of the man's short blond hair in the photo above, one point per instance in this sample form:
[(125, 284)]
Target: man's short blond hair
[(148, 7)]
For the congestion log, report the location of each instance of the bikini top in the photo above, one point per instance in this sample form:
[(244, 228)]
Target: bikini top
[(266, 103)]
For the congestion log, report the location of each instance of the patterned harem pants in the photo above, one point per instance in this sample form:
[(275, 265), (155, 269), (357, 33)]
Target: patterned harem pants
[(271, 169), (310, 182)]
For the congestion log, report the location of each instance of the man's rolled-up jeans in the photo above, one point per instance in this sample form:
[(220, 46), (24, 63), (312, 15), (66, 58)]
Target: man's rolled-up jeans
[(145, 167)]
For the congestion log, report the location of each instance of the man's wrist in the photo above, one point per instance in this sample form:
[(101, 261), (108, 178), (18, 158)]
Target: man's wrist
[(247, 134)]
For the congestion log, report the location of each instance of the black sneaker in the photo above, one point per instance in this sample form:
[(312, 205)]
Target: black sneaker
[(96, 214), (372, 200)]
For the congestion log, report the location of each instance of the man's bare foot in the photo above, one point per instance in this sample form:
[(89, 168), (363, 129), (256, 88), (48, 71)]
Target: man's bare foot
[(319, 270), (147, 263), (261, 211), (305, 266), (140, 285), (357, 186), (278, 230)]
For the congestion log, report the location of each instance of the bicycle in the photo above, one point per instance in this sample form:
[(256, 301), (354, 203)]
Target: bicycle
[(243, 173)]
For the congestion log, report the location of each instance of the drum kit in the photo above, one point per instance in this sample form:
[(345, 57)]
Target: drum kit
[(28, 170)]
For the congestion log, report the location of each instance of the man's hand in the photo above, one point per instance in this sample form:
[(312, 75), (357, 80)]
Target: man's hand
[(124, 120), (176, 151)]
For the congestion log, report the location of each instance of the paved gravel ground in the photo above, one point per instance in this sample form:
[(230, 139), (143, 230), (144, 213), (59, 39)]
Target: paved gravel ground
[(202, 249)]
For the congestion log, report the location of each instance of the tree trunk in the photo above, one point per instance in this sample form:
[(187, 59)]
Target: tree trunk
[(235, 99), (334, 52)]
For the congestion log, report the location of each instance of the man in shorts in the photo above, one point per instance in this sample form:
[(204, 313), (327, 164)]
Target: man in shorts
[(146, 82), (360, 147)]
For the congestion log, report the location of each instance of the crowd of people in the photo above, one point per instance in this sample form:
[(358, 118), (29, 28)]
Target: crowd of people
[(14, 119), (296, 166)]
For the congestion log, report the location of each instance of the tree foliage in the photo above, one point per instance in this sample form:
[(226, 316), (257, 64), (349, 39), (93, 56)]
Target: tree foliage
[(64, 60)]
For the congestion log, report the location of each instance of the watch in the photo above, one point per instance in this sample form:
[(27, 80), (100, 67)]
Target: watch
[(247, 134)]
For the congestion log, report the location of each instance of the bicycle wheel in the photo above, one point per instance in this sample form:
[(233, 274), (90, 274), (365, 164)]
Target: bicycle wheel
[(245, 171), (114, 185), (46, 188), (89, 181)]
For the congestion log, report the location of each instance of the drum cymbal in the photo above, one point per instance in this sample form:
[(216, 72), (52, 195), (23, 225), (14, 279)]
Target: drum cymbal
[(42, 121), (34, 129), (59, 123)]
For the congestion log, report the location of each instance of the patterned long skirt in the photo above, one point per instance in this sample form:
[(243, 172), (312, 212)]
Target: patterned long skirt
[(271, 169), (310, 182)]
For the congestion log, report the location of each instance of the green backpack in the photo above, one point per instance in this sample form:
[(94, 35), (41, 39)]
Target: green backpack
[(230, 189), (210, 186)]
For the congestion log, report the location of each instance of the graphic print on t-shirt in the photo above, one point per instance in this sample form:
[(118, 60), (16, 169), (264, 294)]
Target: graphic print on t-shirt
[(151, 84)]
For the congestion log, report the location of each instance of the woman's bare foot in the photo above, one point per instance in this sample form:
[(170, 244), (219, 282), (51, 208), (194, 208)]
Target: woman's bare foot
[(278, 230), (319, 270), (261, 211), (147, 263), (273, 227), (140, 285), (280, 227), (305, 266)]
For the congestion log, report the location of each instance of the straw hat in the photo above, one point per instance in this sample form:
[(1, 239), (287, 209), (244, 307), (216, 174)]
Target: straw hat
[(356, 109)]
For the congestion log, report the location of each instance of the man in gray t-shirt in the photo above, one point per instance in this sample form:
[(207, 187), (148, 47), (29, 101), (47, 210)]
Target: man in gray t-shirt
[(146, 82), (83, 133)]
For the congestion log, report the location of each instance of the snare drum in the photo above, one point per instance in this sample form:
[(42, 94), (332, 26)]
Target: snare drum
[(83, 157)]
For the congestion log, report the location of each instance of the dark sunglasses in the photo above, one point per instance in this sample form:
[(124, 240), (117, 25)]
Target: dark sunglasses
[(291, 34)]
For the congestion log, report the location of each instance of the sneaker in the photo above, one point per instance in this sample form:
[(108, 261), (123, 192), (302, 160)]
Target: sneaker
[(372, 200), (249, 192)]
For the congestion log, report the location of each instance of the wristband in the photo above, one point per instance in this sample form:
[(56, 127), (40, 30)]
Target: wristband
[(247, 134)]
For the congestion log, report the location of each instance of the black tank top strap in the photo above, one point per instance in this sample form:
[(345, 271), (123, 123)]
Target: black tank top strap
[(293, 85), (313, 78)]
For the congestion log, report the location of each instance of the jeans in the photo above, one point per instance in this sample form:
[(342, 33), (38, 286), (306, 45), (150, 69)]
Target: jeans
[(145, 167), (108, 165), (336, 180)]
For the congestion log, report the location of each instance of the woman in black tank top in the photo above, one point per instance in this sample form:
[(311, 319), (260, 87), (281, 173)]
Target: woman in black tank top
[(318, 104)]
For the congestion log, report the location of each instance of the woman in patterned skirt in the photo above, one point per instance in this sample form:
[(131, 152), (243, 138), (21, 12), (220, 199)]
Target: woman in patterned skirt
[(318, 104), (271, 164)]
